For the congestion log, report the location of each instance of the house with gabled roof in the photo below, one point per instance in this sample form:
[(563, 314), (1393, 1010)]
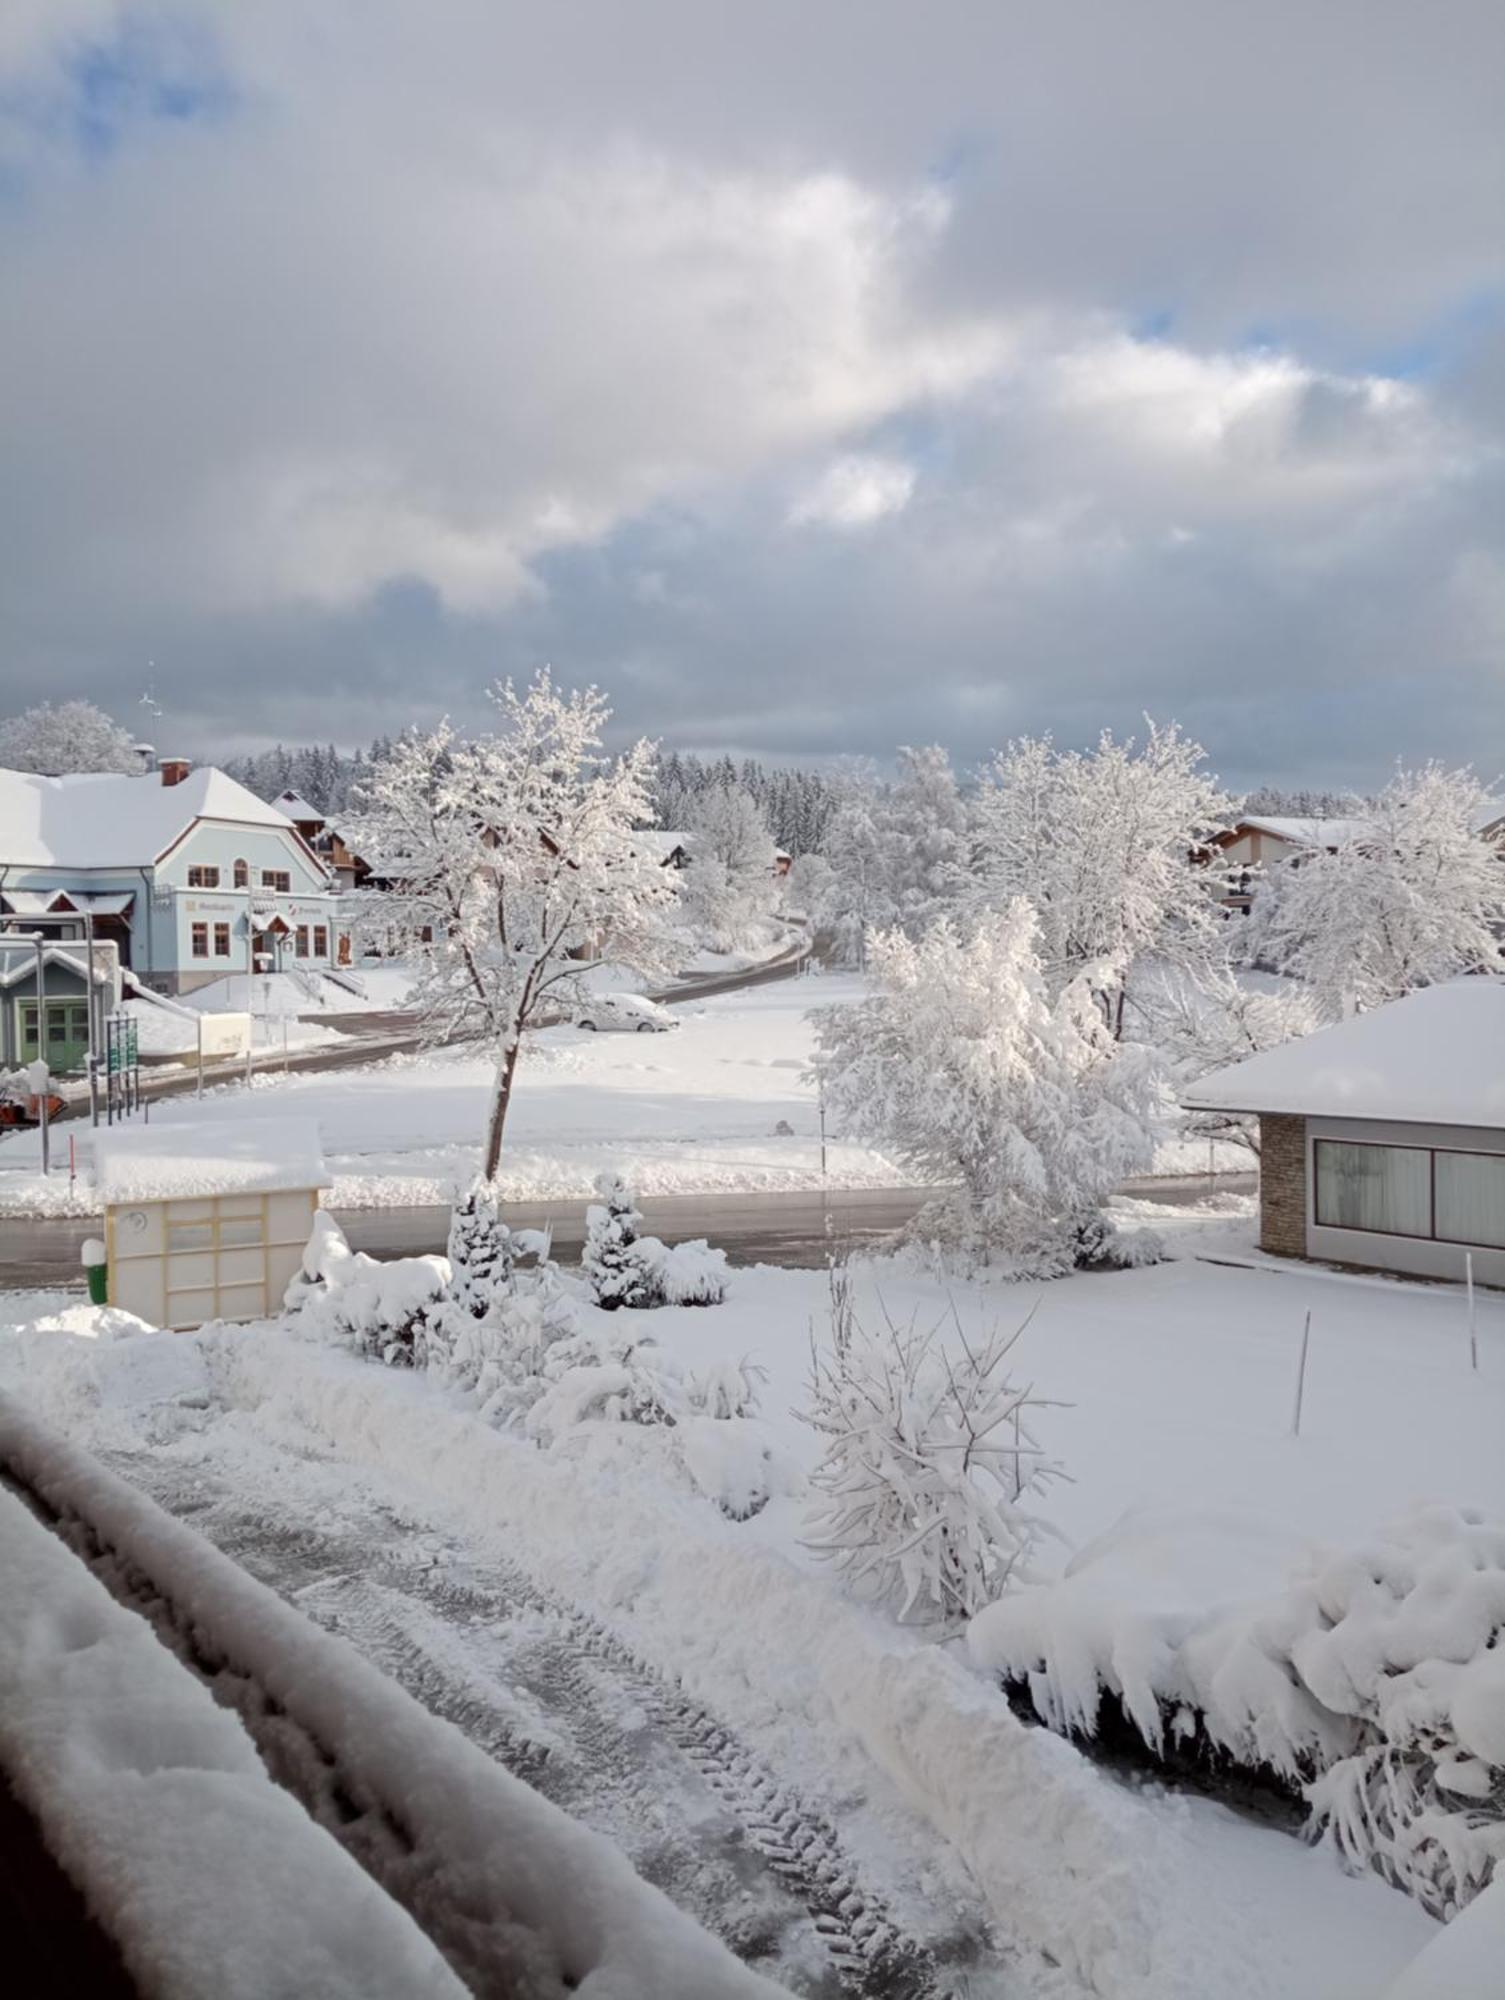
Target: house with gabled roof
[(188, 874), (1382, 1139)]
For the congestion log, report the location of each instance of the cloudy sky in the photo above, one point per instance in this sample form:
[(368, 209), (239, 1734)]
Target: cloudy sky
[(814, 376)]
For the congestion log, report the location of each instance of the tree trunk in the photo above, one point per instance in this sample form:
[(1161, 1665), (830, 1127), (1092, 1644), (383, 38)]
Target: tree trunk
[(501, 1098)]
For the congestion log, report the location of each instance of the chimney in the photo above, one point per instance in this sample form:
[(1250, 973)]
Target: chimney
[(174, 769)]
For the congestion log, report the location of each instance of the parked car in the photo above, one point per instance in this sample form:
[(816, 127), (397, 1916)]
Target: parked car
[(626, 1014)]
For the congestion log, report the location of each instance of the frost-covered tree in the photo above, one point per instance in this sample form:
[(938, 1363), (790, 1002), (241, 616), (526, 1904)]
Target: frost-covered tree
[(965, 1066), (1102, 842), (1205, 1018), (928, 1460), (70, 736), (922, 840), (515, 859), (1412, 895), (729, 891), (612, 1257)]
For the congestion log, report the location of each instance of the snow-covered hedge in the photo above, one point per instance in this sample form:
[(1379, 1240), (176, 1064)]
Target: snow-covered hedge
[(1372, 1681), (375, 1307)]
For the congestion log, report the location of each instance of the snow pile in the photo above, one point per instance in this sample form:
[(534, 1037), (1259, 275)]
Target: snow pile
[(1373, 1681), (523, 1898), (927, 1459), (374, 1307), (205, 1876), (1464, 1962), (625, 1268)]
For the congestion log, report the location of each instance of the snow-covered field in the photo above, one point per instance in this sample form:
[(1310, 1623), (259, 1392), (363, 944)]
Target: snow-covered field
[(1176, 1384), (720, 1104)]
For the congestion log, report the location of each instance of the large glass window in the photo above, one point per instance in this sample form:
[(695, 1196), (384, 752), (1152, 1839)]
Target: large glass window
[(1387, 1189), (1471, 1198)]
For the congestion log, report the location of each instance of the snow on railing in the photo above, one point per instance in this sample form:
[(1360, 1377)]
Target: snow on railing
[(513, 1893)]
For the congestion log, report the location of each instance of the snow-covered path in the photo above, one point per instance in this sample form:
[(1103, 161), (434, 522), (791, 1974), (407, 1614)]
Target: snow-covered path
[(545, 1690)]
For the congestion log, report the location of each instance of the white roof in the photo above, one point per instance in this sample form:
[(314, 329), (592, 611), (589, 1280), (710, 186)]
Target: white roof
[(1306, 832), (1436, 1057), (297, 807), (105, 820), (659, 844), (178, 1162), (18, 961)]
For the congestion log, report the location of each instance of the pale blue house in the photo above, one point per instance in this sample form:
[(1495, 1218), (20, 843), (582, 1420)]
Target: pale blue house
[(192, 877)]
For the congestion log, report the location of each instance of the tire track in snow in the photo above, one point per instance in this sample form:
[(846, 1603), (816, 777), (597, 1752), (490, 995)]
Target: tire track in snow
[(562, 1702)]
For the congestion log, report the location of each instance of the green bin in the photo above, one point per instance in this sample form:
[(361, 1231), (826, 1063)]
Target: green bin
[(96, 1271)]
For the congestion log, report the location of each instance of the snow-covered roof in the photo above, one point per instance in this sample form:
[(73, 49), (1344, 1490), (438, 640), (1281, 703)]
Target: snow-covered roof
[(661, 845), (1305, 832), (178, 1162), (106, 820), (297, 807), (1436, 1057), (18, 960)]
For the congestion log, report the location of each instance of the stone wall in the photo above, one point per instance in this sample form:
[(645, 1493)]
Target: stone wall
[(1282, 1185)]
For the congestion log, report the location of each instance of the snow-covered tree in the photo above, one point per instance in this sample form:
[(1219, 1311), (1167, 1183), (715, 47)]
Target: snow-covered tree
[(515, 859), (928, 1460), (729, 891), (1205, 1018), (481, 1253), (1102, 843), (1412, 895), (963, 1064), (70, 736), (842, 889), (612, 1259)]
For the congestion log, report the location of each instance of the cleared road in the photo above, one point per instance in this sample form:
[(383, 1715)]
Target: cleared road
[(795, 1229)]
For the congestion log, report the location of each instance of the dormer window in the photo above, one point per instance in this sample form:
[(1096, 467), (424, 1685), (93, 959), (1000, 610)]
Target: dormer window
[(241, 875)]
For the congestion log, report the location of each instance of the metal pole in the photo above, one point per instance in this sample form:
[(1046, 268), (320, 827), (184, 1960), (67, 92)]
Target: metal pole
[(93, 1022), (1306, 1334), (39, 939), (1473, 1326)]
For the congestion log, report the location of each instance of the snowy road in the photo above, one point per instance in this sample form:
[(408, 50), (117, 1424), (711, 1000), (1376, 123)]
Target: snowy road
[(550, 1694)]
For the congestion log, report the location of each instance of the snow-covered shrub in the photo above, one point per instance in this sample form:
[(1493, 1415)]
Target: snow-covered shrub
[(606, 1377), (1371, 1683), (612, 1257), (735, 1462), (481, 1252), (928, 1457), (625, 1268), (963, 1063), (725, 1389), (379, 1309)]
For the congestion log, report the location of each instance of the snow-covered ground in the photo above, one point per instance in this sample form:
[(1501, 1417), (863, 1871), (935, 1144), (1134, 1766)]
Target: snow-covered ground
[(722, 1103), (1176, 1384)]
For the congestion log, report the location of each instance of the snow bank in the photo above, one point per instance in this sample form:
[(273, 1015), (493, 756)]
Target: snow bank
[(206, 1876), (535, 1903), (1465, 1961), (1135, 1899)]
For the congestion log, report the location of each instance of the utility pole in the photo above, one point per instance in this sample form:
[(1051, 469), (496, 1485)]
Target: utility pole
[(93, 1021), (40, 1070)]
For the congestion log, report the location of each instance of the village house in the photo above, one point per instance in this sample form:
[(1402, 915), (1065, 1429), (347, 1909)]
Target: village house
[(1382, 1140), (186, 873), (347, 868), (1260, 841)]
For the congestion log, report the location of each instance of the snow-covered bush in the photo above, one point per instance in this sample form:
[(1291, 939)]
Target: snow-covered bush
[(606, 1377), (725, 1389), (962, 1063), (625, 1268), (928, 1459), (735, 1462), (1371, 1683), (380, 1309)]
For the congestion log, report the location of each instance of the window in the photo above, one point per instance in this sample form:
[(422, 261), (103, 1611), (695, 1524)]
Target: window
[(302, 941), (241, 875), (321, 941), (222, 940), (279, 879), (201, 940), (1387, 1189), (1471, 1198), (203, 878), (1444, 1195)]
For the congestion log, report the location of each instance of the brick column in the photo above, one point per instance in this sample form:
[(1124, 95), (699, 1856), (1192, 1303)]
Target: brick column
[(1282, 1185)]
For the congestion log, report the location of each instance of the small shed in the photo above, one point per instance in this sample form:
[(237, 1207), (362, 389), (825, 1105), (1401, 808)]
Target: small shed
[(207, 1221), (1382, 1140)]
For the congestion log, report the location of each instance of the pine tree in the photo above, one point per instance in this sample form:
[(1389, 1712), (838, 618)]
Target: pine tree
[(611, 1259), (480, 1253)]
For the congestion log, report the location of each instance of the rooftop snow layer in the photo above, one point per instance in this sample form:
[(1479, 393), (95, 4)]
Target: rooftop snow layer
[(1303, 832), (1436, 1057), (179, 1162), (106, 820), (297, 807)]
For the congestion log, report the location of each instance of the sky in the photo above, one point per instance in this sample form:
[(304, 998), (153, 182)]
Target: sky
[(815, 378)]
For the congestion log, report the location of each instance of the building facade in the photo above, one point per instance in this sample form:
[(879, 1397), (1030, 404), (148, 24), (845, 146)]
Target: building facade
[(187, 873)]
